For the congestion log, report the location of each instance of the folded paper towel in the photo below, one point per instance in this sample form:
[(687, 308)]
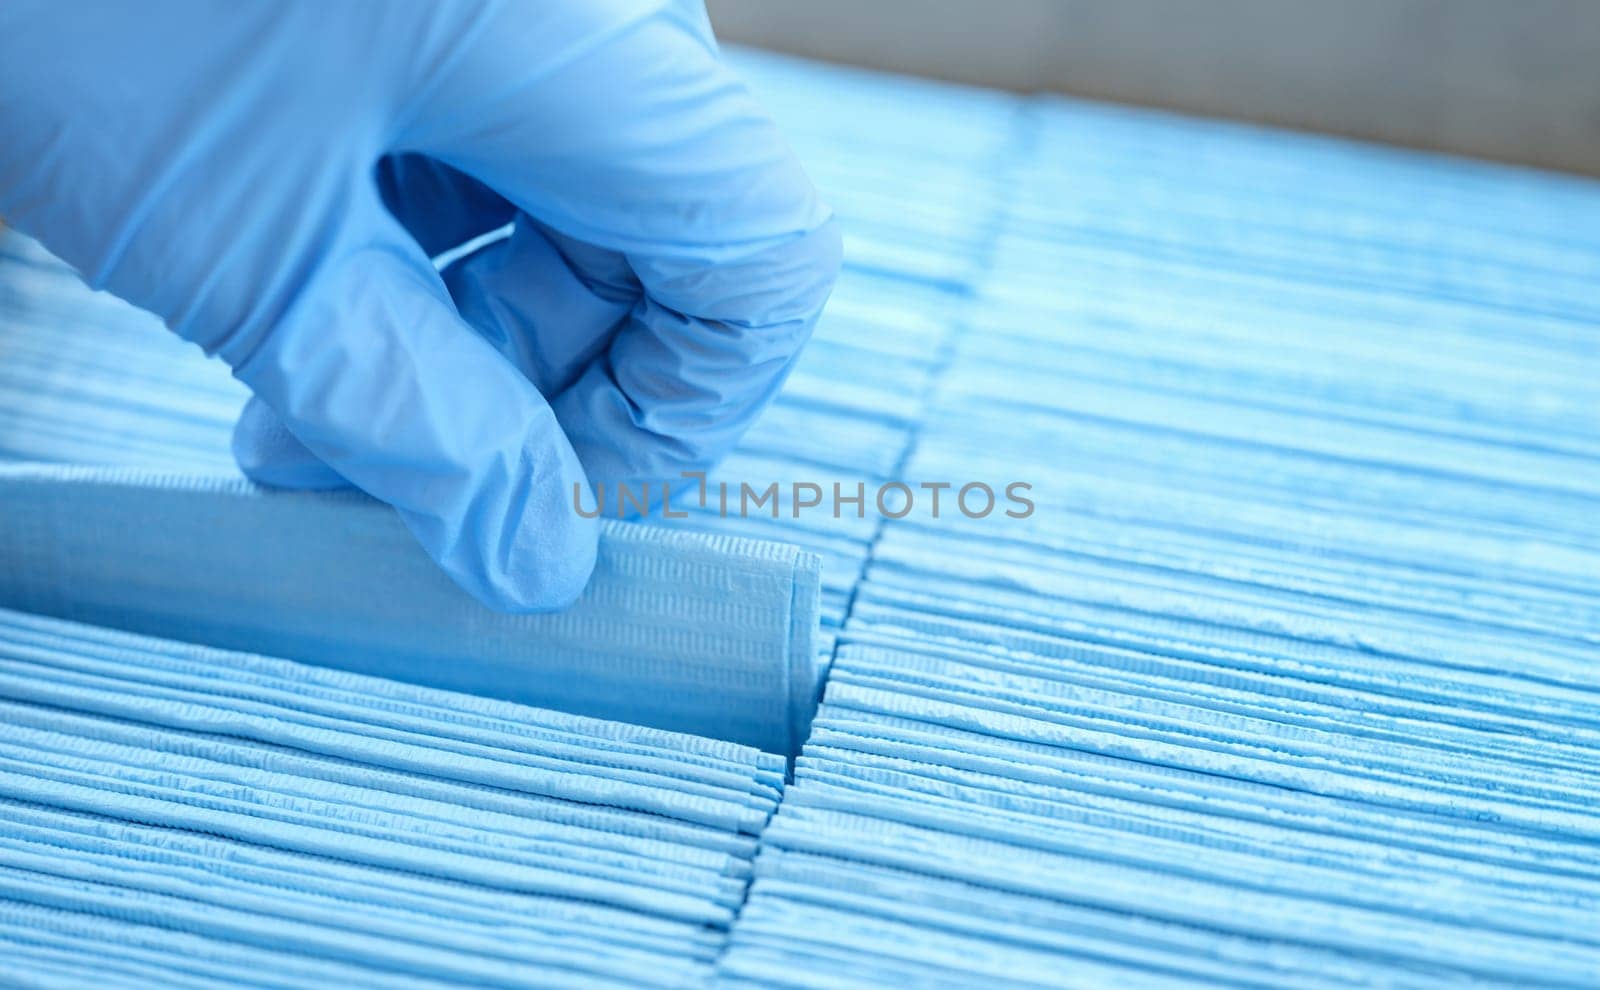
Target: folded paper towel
[(679, 630), (177, 815)]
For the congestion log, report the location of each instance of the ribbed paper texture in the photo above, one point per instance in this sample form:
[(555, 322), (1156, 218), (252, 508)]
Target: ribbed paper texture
[(678, 630), (177, 815), (1289, 679), (1292, 678)]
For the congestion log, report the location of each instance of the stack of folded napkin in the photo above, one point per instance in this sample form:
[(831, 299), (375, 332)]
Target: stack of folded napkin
[(183, 816)]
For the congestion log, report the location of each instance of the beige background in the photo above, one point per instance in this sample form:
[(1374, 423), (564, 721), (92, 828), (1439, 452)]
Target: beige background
[(1505, 79)]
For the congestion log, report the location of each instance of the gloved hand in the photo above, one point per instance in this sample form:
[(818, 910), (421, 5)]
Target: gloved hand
[(272, 178)]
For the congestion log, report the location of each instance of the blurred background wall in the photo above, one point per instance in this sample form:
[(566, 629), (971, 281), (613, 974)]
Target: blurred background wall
[(1515, 80)]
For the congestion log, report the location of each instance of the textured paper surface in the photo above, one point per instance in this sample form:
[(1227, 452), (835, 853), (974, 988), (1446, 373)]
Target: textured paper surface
[(171, 812), (1290, 680), (678, 630)]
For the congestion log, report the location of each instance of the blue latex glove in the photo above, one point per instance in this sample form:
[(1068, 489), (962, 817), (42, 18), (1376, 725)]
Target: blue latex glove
[(272, 178)]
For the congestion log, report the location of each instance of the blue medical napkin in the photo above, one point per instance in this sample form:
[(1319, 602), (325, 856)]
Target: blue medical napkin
[(179, 814), (678, 630)]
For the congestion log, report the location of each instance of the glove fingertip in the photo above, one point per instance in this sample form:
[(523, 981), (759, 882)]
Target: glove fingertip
[(520, 543), (543, 571), (559, 579), (270, 455)]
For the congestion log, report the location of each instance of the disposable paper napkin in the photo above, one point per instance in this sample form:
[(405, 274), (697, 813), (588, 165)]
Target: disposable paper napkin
[(678, 630), (183, 815)]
